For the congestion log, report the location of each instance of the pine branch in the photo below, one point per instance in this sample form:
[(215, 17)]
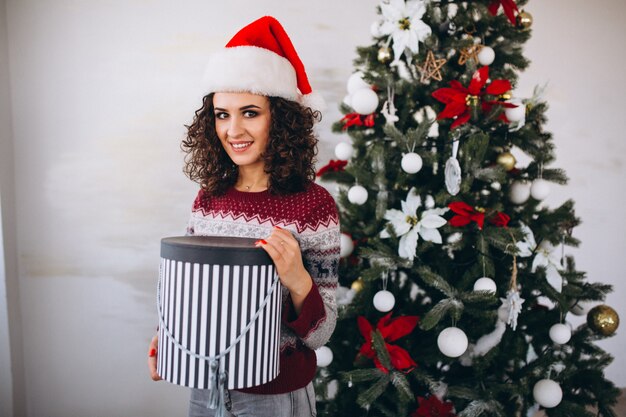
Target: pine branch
[(367, 397), (436, 281), (450, 306)]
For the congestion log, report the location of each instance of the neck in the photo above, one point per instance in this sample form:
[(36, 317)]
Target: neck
[(252, 179)]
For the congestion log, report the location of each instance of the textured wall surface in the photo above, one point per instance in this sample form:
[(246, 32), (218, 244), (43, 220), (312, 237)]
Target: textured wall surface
[(100, 92)]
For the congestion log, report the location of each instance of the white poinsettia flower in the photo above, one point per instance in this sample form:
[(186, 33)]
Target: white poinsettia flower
[(410, 225), (545, 257), (402, 21)]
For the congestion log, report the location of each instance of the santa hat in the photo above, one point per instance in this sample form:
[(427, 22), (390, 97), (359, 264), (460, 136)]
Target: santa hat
[(261, 59)]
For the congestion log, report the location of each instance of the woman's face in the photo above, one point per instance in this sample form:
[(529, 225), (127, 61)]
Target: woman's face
[(242, 123)]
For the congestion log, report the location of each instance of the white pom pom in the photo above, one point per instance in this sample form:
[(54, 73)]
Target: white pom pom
[(364, 101), (486, 55), (346, 246), (485, 284), (384, 301), (347, 100), (560, 333), (519, 192), (547, 393), (411, 163), (539, 189), (581, 308), (452, 342), (324, 356), (355, 82), (357, 194), (343, 151), (516, 114)]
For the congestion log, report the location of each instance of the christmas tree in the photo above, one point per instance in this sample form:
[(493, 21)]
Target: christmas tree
[(454, 287)]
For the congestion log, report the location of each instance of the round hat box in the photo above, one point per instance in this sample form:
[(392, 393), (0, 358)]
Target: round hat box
[(219, 303)]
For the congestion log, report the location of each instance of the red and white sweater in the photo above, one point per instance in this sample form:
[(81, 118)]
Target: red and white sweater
[(312, 217)]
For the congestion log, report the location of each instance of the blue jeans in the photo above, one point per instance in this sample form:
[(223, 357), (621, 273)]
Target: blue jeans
[(298, 403)]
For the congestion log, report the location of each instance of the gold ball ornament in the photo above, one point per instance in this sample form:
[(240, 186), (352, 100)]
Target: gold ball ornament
[(357, 285), (603, 319), (505, 96), (524, 20), (384, 55), (506, 160)]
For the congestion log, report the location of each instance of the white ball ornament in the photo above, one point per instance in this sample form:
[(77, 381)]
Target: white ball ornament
[(357, 194), (486, 55), (539, 189), (581, 308), (343, 151), (324, 356), (384, 301), (411, 163), (547, 393), (519, 192), (485, 284), (364, 101), (355, 82), (452, 342), (516, 114), (346, 246), (560, 333)]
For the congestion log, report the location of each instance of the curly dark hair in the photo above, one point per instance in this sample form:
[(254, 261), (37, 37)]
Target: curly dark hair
[(289, 158)]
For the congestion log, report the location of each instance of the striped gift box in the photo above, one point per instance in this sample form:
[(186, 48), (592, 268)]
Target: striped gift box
[(219, 303)]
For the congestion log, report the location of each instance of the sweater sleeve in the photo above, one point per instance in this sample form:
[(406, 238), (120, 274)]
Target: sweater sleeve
[(320, 252)]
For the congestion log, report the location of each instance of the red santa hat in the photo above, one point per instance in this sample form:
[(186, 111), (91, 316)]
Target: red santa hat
[(261, 59)]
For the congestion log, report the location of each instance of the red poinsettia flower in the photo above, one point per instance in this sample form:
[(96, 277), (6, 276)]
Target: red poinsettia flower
[(332, 166), (391, 330), (356, 119), (509, 6), (465, 214), (459, 100), (433, 407)]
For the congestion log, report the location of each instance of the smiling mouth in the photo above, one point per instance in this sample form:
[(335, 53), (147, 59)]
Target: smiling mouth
[(240, 146)]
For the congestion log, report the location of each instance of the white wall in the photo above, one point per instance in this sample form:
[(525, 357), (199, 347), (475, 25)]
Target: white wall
[(100, 93)]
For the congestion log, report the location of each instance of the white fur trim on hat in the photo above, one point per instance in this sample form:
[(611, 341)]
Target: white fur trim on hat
[(251, 69)]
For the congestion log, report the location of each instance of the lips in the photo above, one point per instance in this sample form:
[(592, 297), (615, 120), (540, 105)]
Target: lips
[(240, 146)]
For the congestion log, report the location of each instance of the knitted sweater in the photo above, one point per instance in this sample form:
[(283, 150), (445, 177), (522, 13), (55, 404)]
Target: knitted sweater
[(312, 217)]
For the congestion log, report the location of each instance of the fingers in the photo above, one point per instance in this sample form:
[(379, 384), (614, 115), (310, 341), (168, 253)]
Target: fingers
[(281, 244), (152, 358)]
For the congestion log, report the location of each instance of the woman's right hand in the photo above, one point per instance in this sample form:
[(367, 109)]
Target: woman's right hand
[(152, 358)]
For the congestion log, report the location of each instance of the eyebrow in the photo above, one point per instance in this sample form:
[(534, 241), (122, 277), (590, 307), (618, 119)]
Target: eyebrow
[(248, 107)]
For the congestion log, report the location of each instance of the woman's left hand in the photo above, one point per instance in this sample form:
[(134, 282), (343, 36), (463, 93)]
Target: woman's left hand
[(284, 250)]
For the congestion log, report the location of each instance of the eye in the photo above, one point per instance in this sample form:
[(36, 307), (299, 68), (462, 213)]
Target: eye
[(221, 115), (250, 113)]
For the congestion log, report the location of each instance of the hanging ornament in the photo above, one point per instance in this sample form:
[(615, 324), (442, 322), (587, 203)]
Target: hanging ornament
[(346, 246), (344, 151), (411, 163), (324, 356), (506, 96), (453, 171), (524, 20), (452, 342), (357, 194), (389, 109), (540, 189), (547, 393), (485, 284), (431, 68), (384, 301), (364, 101), (486, 55), (357, 285), (356, 82), (515, 114), (581, 308), (471, 52), (506, 160), (513, 305), (519, 192), (560, 333), (384, 55), (603, 319)]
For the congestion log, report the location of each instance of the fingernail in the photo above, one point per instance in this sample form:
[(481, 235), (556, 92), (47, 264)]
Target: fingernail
[(152, 353), (279, 228), (260, 242)]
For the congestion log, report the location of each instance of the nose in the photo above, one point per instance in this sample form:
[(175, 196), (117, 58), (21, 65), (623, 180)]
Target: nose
[(235, 128)]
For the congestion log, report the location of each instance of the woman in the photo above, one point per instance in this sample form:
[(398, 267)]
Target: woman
[(251, 147)]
